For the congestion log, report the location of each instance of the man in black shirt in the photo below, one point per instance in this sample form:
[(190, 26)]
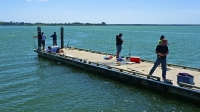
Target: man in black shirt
[(119, 42), (162, 52), (54, 39)]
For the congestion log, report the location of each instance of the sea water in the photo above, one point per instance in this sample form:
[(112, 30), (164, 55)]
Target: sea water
[(30, 83)]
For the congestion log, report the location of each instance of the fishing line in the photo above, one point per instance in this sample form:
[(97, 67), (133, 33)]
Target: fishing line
[(149, 49), (69, 41), (33, 37), (173, 43), (144, 47), (177, 41), (130, 47)]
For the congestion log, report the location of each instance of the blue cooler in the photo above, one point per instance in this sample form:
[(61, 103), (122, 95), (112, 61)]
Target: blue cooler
[(185, 78)]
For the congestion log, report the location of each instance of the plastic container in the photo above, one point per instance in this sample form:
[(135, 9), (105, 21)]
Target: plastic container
[(135, 59), (183, 77)]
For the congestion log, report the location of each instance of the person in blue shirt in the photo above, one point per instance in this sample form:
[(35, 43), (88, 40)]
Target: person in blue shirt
[(54, 39), (49, 49), (43, 40)]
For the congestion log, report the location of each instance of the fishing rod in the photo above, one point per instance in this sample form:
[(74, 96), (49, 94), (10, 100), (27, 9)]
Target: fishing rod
[(176, 41), (130, 47), (68, 42), (33, 37), (172, 43), (148, 49), (144, 47)]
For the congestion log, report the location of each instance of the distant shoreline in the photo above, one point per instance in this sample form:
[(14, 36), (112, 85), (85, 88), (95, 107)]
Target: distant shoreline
[(86, 24), (116, 25), (153, 24)]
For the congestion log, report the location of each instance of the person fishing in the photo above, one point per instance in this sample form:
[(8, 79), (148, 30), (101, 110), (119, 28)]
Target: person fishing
[(162, 52), (119, 42), (54, 39), (160, 42), (49, 49), (161, 38), (43, 40)]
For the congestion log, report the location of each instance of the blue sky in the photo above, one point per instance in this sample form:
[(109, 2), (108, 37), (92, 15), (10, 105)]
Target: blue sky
[(97, 11)]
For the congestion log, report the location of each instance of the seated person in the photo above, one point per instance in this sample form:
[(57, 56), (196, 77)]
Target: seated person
[(49, 49), (54, 49)]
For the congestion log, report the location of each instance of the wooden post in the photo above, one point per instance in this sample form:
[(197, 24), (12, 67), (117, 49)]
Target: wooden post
[(62, 37), (39, 40)]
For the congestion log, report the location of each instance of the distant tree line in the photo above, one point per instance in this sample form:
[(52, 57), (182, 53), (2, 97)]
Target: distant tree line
[(87, 24), (52, 24)]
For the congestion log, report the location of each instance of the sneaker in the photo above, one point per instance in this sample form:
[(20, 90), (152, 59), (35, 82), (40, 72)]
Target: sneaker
[(148, 76), (168, 81)]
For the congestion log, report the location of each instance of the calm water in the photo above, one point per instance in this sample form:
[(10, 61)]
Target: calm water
[(29, 83)]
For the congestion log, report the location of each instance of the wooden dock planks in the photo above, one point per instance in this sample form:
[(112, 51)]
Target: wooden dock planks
[(143, 67)]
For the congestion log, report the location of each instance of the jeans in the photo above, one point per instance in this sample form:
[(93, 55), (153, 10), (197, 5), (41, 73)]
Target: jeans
[(54, 42), (119, 48), (39, 44), (164, 67), (43, 44)]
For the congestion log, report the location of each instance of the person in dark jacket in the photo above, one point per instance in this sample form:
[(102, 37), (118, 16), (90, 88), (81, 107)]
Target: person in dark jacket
[(54, 39), (119, 42)]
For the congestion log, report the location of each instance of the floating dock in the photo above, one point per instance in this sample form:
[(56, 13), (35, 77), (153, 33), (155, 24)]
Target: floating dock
[(133, 73)]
